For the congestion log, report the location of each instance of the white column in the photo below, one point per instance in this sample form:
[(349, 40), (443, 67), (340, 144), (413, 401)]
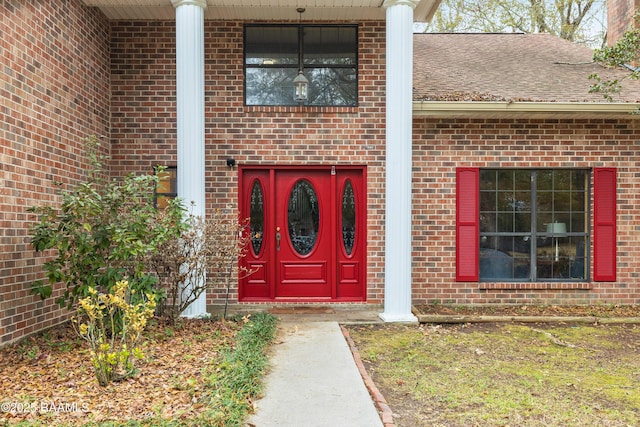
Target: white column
[(397, 286), (190, 115)]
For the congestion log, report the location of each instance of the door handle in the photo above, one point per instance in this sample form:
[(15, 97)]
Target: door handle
[(278, 239)]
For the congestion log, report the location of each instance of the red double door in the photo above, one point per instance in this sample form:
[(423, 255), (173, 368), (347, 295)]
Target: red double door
[(308, 233)]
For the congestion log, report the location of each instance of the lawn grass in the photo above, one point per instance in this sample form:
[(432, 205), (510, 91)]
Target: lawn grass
[(505, 375)]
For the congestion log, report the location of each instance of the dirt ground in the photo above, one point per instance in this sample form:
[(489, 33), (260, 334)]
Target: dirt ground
[(507, 374), (597, 310)]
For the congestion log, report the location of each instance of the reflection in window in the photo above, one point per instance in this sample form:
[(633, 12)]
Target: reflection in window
[(166, 187), (256, 217), (275, 53), (533, 224), (304, 217), (348, 217)]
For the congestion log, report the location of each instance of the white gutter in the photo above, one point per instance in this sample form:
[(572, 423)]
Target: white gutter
[(525, 109)]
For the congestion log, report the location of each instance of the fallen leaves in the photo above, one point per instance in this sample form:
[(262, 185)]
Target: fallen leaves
[(50, 377), (596, 310)]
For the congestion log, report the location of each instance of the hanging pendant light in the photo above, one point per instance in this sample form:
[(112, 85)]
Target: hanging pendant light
[(300, 82), (301, 87)]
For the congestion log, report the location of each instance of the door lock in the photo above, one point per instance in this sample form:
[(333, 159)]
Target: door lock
[(278, 238)]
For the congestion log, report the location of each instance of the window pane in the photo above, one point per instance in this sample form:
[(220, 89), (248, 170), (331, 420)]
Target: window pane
[(330, 45), (272, 60), (163, 201), (505, 222), (522, 201), (505, 180), (522, 180), (495, 265), (577, 256), (488, 180), (579, 201), (265, 45), (544, 201), (505, 200), (522, 222), (167, 181), (508, 198), (577, 223), (579, 180), (561, 180), (256, 217), (487, 201), (270, 86), (544, 180), (166, 187), (522, 261), (348, 217), (304, 217), (562, 201), (274, 86), (505, 257), (165, 184), (553, 257), (542, 220), (545, 214), (332, 86), (487, 222)]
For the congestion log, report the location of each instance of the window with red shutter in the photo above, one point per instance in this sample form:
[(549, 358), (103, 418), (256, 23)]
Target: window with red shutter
[(467, 217), (604, 220), (527, 225)]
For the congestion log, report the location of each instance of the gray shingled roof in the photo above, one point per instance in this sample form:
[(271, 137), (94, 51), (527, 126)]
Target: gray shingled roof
[(508, 68)]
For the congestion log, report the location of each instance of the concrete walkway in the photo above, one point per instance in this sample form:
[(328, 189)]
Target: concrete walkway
[(314, 381)]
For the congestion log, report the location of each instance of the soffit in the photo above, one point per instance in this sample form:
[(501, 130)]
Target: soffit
[(262, 10), (525, 110)]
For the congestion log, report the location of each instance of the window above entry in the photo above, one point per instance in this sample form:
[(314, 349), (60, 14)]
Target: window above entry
[(326, 54)]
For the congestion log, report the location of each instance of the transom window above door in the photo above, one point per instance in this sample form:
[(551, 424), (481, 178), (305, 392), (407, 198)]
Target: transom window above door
[(326, 54)]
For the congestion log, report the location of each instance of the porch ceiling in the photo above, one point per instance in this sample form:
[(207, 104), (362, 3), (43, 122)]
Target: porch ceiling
[(262, 10)]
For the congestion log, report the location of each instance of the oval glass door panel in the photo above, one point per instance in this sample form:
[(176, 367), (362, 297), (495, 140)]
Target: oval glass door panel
[(256, 217), (348, 217), (303, 217)]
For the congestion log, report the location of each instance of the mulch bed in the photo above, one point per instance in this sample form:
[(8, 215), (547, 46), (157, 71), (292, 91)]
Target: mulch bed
[(49, 377)]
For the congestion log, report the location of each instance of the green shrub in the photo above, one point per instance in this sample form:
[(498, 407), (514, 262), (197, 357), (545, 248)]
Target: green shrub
[(102, 232)]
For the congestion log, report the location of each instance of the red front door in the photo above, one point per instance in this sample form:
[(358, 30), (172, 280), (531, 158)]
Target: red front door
[(307, 234), (303, 220)]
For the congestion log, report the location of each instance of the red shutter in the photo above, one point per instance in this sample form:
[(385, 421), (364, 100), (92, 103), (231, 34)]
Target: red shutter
[(604, 220), (467, 223)]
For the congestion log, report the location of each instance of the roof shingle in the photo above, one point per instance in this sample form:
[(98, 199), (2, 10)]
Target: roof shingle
[(509, 68)]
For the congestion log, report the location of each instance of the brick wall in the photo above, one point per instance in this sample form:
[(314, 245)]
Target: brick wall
[(68, 73), (143, 134), (54, 85), (442, 145), (143, 125), (619, 18)]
